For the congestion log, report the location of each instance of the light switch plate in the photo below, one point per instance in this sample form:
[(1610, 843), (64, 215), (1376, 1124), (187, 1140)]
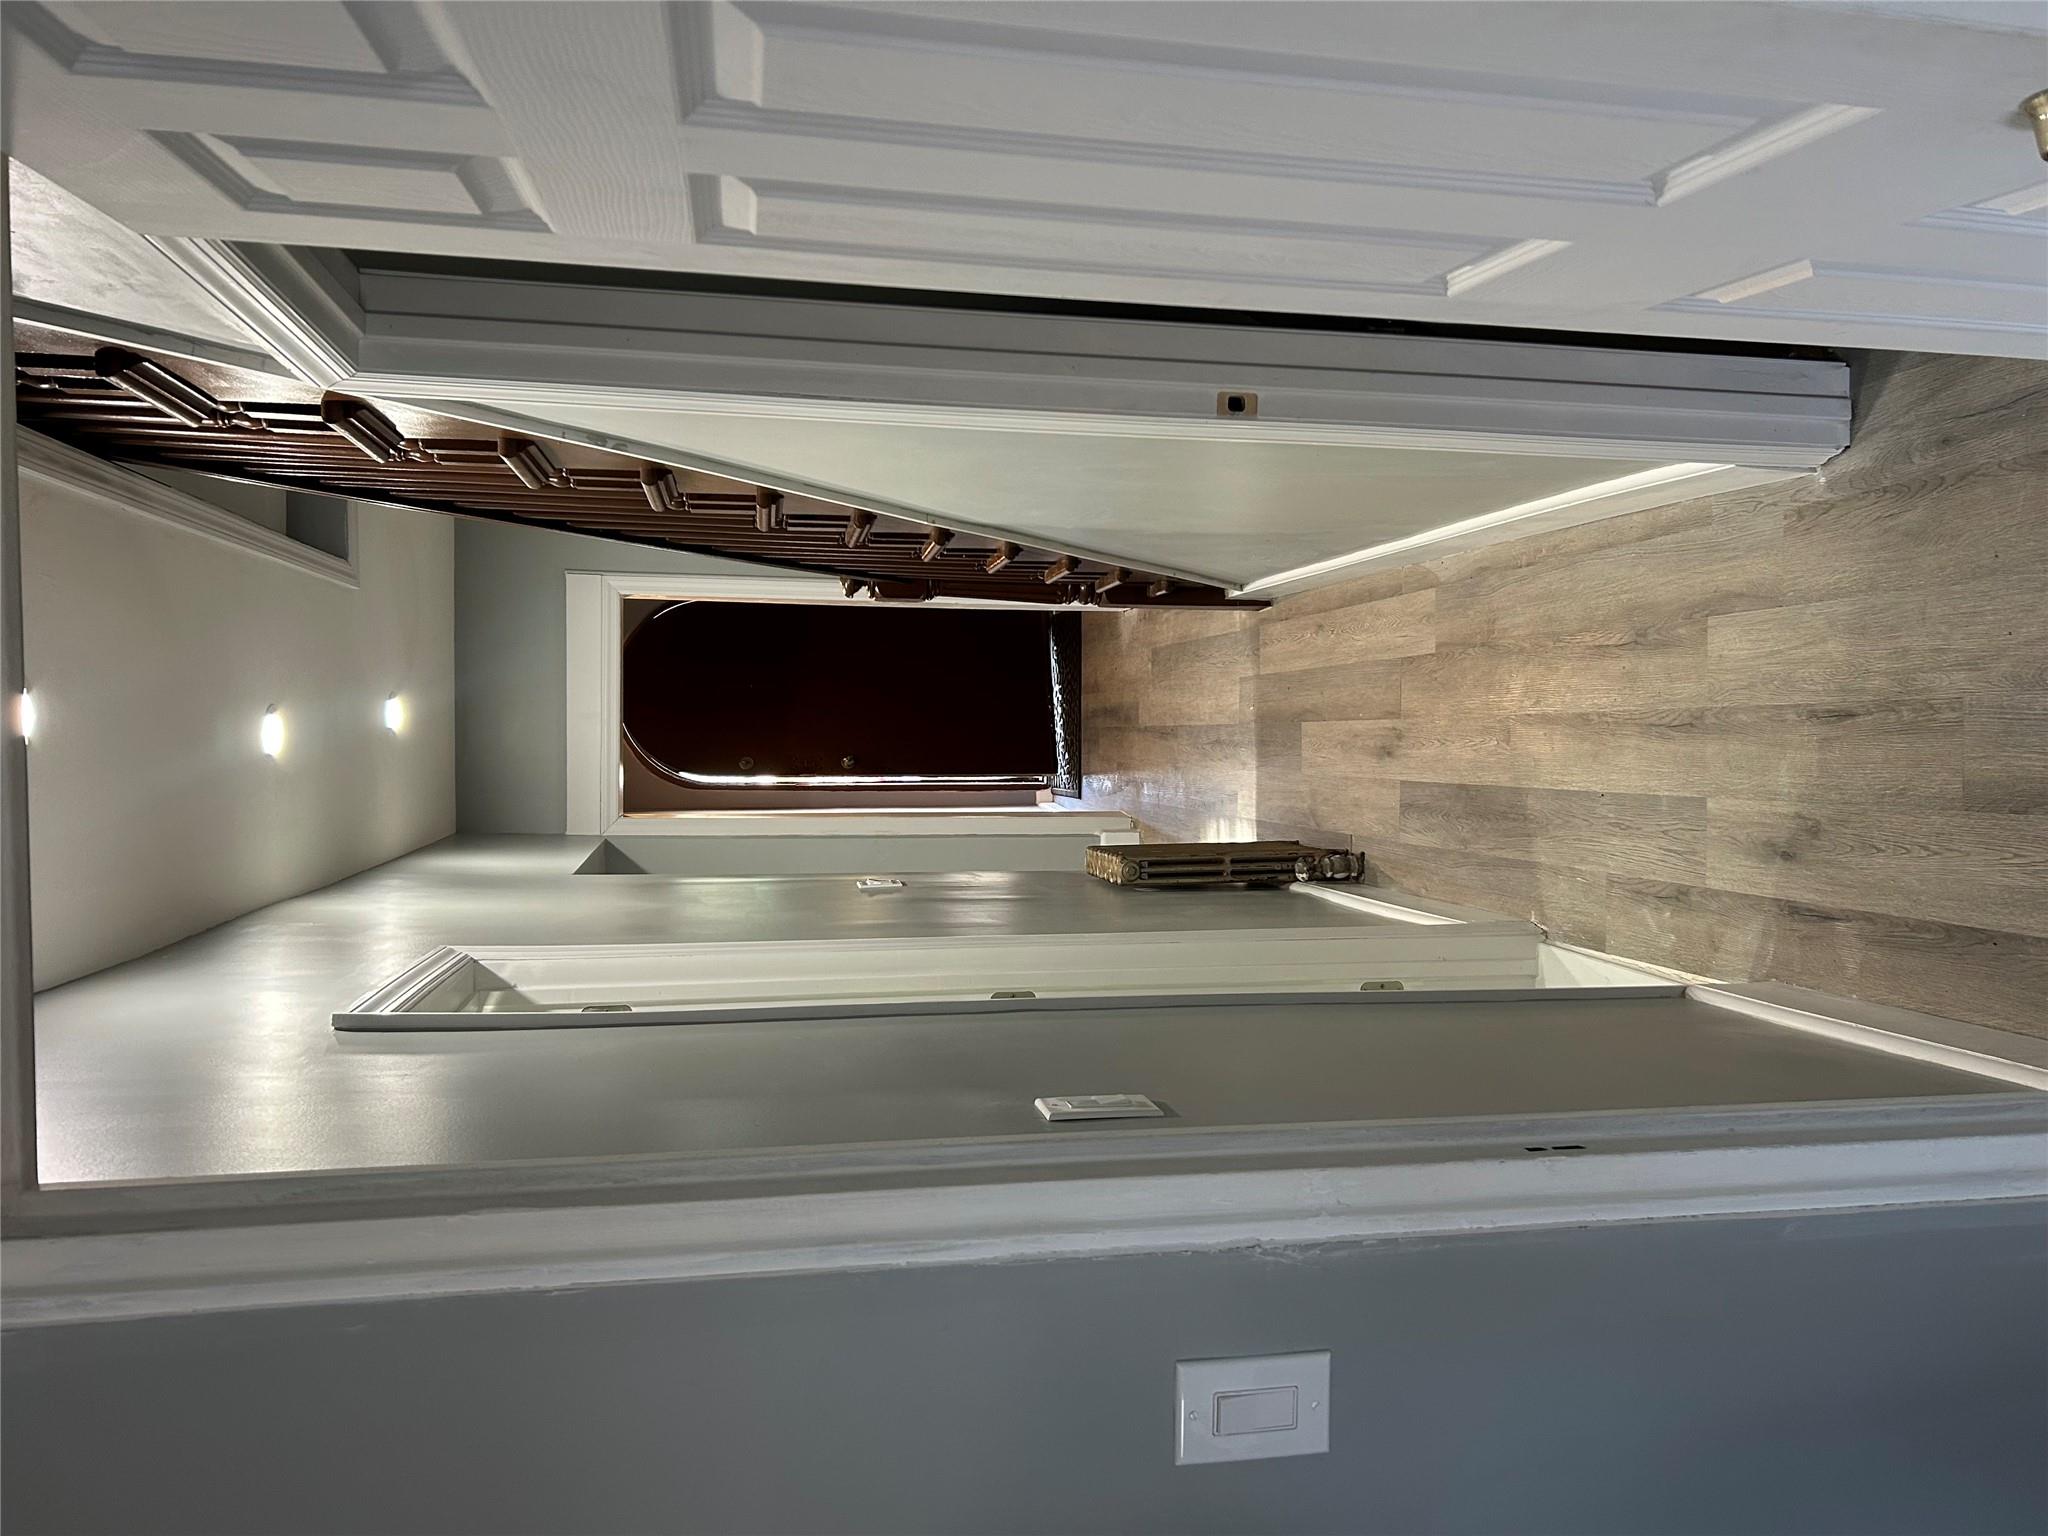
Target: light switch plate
[(1099, 1106), (1248, 1409)]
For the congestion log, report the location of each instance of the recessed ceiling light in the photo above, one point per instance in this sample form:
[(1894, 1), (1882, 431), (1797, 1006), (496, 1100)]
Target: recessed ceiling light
[(25, 715), (394, 713), (270, 734)]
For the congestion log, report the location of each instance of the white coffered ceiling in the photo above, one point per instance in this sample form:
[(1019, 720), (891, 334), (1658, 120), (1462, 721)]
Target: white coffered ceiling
[(1836, 175)]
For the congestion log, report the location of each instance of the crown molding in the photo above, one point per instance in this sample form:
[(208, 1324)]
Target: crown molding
[(295, 307)]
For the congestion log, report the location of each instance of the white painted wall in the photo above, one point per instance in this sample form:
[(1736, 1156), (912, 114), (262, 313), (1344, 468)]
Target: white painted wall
[(153, 652)]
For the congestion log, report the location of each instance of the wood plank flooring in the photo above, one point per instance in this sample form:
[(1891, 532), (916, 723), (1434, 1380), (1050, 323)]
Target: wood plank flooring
[(1797, 733)]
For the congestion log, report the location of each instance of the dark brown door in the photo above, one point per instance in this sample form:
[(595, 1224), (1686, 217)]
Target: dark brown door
[(733, 692)]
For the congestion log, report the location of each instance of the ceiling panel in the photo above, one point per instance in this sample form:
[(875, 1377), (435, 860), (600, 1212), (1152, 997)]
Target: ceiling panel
[(1236, 511), (1572, 166)]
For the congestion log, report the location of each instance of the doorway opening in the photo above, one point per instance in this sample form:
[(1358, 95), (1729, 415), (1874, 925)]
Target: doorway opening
[(767, 706)]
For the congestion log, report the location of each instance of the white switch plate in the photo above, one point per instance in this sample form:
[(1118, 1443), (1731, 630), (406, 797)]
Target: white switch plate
[(1245, 1410), (1099, 1106)]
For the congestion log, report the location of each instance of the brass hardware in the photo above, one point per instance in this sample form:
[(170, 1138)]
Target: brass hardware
[(1005, 553), (1237, 402), (2035, 107), (935, 539)]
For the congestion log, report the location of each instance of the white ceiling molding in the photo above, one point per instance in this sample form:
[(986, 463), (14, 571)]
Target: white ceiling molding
[(1880, 296), (1026, 1197), (1513, 165), (127, 333), (1055, 429), (292, 305), (600, 364), (1755, 148), (534, 345), (1609, 498), (594, 714), (1995, 1053)]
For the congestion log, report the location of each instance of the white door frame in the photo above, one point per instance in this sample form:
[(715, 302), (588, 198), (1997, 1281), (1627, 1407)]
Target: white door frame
[(1139, 1190), (675, 983), (593, 806)]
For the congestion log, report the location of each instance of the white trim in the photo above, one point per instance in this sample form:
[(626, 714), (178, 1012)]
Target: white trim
[(47, 459), (200, 349), (1993, 1053), (593, 721), (1757, 147), (435, 968), (667, 983), (1573, 965), (1194, 1191), (1402, 906), (590, 650), (532, 345), (1758, 282), (17, 983), (290, 305), (1803, 441), (1589, 503), (1509, 258)]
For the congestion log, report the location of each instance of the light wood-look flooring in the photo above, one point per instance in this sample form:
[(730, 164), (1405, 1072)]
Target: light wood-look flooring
[(1798, 733)]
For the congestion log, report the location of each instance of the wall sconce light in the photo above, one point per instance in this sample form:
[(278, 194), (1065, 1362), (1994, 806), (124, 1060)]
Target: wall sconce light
[(394, 714), (270, 734), (2035, 109), (25, 714)]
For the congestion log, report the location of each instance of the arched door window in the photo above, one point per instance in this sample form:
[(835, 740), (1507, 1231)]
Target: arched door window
[(724, 699)]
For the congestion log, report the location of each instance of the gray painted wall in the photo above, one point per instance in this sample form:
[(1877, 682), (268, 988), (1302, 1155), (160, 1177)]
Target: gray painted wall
[(153, 652), (1849, 1373), (510, 716)]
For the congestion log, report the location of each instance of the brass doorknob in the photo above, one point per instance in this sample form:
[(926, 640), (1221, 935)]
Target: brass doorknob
[(2036, 109)]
